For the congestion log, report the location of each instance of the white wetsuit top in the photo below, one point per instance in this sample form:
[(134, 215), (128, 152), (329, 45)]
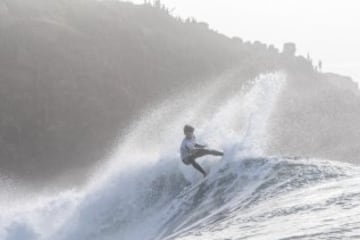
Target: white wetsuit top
[(186, 146)]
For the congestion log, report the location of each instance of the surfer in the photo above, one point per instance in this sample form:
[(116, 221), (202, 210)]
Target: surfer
[(190, 150)]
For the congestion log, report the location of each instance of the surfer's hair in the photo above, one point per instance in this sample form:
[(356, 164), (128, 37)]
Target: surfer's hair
[(188, 128)]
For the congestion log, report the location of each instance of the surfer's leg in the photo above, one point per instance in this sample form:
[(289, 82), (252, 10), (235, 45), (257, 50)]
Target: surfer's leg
[(203, 152), (200, 153), (216, 153), (198, 167)]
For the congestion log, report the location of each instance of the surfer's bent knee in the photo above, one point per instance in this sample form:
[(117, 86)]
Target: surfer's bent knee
[(188, 160)]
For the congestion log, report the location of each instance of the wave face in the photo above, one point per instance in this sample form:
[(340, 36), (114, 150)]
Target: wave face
[(144, 192), (269, 198)]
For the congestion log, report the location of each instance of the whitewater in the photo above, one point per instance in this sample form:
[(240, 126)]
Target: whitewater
[(144, 192)]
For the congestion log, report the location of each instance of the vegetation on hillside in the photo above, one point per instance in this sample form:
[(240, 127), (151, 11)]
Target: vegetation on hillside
[(74, 73)]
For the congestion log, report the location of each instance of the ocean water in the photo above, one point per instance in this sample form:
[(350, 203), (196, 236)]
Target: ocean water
[(143, 192)]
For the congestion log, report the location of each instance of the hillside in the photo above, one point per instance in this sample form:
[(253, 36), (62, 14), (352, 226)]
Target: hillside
[(318, 116), (75, 73)]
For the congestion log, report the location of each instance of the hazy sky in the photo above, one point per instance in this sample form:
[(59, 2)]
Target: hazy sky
[(327, 29)]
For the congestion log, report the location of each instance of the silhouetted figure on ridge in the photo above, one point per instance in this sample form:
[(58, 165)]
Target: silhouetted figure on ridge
[(320, 65)]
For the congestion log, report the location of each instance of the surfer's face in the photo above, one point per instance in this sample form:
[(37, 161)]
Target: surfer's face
[(189, 134)]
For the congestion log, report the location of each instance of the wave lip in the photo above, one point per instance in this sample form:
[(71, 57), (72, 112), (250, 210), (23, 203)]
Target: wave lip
[(249, 192)]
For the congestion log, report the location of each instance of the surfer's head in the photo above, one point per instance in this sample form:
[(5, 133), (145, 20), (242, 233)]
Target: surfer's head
[(189, 131)]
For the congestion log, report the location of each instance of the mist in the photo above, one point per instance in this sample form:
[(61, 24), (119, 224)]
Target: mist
[(74, 74), (94, 96)]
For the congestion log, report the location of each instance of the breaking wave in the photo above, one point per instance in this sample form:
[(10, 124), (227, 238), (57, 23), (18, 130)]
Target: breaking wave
[(144, 192)]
